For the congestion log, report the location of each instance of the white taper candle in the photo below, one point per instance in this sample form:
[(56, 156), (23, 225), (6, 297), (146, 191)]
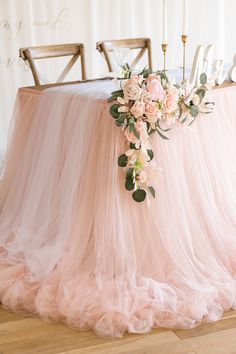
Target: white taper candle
[(164, 23), (185, 18)]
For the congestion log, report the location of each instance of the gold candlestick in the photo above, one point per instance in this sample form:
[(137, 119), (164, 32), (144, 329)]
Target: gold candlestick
[(164, 49), (184, 41)]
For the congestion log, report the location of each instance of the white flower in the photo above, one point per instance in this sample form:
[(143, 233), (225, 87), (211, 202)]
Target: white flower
[(123, 109), (153, 173), (120, 100)]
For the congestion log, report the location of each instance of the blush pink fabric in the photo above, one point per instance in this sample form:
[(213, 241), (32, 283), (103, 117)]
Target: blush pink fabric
[(74, 245)]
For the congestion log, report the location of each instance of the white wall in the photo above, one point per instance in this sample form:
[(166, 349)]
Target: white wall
[(38, 22)]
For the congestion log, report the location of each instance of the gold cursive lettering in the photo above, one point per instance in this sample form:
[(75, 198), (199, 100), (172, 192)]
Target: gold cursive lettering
[(15, 28)]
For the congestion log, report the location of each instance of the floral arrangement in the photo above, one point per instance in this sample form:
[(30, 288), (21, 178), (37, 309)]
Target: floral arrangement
[(149, 103)]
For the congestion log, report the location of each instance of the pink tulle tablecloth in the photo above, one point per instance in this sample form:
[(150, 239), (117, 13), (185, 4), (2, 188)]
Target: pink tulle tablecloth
[(75, 247)]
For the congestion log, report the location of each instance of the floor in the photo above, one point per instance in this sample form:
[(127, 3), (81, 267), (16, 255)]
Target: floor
[(20, 335)]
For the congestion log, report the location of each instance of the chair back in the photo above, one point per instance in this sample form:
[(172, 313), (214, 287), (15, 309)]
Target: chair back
[(144, 44), (75, 50)]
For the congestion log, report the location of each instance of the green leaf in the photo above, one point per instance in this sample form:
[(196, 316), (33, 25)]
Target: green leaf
[(132, 146), (162, 135), (164, 130), (131, 120), (122, 160), (136, 133), (180, 111), (152, 191), (184, 120), (114, 110), (150, 154), (163, 76), (121, 119), (151, 131), (139, 195), (194, 110), (201, 93), (118, 93), (129, 184), (146, 73), (192, 122), (131, 127), (112, 98), (129, 173), (207, 103), (203, 78)]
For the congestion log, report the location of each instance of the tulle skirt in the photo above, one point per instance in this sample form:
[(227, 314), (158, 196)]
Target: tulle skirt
[(75, 247)]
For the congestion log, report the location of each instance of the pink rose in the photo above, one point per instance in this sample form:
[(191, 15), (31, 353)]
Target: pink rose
[(138, 109), (151, 110), (171, 100), (141, 128), (154, 87), (132, 91)]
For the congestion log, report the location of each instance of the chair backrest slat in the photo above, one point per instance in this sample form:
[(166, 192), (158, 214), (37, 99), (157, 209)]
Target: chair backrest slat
[(67, 68), (105, 47), (75, 50)]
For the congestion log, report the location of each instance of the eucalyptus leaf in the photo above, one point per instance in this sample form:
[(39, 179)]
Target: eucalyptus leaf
[(146, 73), (163, 76), (180, 111), (129, 173), (129, 184), (131, 120), (112, 98), (150, 154), (151, 131), (136, 133), (162, 135), (139, 195), (152, 191), (184, 120), (201, 93), (164, 130), (118, 93), (192, 122), (121, 119), (203, 78), (114, 110), (145, 68), (194, 110), (122, 160), (132, 146), (131, 127)]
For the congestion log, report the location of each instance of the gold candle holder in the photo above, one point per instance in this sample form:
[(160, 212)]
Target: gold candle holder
[(184, 41), (164, 49)]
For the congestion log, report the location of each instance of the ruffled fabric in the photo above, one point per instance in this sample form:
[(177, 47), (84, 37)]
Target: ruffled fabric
[(75, 247)]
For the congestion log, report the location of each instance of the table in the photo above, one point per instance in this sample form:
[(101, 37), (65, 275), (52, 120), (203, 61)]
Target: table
[(75, 247)]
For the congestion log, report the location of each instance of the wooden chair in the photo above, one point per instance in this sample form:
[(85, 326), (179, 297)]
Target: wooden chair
[(75, 50), (144, 44)]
